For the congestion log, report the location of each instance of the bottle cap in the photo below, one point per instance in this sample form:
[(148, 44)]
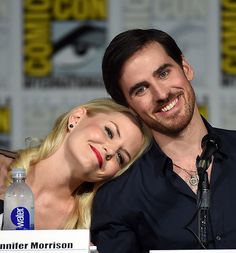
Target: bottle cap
[(18, 173)]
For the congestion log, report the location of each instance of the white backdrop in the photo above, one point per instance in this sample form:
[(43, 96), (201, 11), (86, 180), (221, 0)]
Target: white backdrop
[(29, 105)]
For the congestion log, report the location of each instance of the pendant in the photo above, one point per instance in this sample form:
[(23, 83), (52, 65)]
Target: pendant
[(193, 181)]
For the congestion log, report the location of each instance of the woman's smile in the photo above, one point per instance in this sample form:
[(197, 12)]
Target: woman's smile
[(98, 155)]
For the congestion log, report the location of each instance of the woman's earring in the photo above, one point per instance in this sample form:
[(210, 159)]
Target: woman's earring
[(71, 126)]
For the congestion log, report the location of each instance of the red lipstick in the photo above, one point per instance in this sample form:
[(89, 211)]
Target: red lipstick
[(98, 155)]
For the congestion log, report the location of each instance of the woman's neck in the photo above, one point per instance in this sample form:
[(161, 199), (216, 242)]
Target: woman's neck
[(53, 175), (53, 185)]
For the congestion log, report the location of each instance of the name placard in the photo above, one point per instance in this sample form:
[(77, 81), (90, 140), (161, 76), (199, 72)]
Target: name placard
[(56, 241)]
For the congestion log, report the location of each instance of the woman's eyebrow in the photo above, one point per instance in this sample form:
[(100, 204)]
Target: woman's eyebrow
[(127, 153), (116, 127)]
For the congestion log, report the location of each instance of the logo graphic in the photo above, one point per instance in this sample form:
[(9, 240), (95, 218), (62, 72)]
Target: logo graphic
[(20, 217)]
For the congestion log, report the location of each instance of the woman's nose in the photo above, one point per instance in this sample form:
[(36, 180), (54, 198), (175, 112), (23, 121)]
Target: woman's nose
[(108, 157)]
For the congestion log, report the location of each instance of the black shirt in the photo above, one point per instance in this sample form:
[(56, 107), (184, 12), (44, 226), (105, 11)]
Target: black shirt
[(1, 212), (151, 207), (1, 206)]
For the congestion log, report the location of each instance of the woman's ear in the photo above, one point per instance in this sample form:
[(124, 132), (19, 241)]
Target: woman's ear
[(188, 70), (75, 116)]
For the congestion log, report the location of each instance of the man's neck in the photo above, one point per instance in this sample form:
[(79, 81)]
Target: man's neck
[(184, 147)]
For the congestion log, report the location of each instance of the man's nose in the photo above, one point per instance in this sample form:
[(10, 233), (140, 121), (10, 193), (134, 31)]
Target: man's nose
[(158, 92)]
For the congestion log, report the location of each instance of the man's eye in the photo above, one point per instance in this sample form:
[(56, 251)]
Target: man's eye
[(109, 132), (120, 158), (164, 74), (139, 90)]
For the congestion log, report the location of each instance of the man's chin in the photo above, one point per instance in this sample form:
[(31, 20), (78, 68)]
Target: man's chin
[(172, 129)]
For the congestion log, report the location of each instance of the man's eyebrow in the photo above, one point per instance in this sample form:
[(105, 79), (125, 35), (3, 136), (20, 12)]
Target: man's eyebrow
[(162, 68), (118, 132), (136, 86)]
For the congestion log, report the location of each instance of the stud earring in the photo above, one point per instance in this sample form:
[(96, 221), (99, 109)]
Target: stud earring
[(71, 126)]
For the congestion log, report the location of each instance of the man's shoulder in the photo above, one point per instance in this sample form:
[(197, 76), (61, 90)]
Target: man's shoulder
[(225, 132), (147, 167), (152, 157), (227, 136), (227, 141)]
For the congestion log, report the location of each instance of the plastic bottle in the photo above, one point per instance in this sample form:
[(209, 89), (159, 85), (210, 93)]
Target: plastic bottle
[(18, 203)]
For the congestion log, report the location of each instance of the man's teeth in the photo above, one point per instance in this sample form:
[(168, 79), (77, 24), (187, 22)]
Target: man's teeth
[(170, 106)]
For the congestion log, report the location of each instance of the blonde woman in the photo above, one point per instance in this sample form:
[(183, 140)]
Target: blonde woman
[(87, 146)]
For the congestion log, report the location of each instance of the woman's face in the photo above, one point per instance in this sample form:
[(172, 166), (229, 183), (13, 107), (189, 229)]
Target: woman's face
[(102, 144)]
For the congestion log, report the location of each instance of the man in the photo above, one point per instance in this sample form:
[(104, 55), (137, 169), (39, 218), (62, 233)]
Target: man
[(154, 204)]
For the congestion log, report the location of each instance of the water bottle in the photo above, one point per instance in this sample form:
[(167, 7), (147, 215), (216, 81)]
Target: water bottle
[(18, 203)]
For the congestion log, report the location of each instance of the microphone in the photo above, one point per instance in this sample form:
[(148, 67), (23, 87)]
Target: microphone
[(210, 145)]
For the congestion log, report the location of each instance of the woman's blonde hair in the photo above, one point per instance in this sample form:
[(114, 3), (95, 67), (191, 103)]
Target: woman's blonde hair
[(81, 216)]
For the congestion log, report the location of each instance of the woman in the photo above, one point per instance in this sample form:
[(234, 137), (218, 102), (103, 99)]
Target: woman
[(87, 146)]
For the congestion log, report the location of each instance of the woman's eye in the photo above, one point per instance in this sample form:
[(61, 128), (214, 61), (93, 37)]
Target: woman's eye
[(164, 74), (120, 158), (109, 132)]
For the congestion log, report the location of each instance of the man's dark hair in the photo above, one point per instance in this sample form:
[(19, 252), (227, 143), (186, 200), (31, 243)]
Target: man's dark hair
[(123, 46)]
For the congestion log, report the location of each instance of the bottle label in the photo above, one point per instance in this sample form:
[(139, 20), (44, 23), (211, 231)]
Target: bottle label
[(20, 217)]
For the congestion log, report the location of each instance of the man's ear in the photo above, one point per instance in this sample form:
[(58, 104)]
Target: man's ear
[(76, 114), (188, 70)]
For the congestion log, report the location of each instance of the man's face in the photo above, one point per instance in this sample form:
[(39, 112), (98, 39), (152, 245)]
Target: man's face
[(158, 89)]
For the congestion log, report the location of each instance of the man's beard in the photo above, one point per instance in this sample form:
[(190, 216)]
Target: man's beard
[(177, 123), (176, 126)]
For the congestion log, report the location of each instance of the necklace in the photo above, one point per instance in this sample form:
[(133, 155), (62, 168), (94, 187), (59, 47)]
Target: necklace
[(194, 179)]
